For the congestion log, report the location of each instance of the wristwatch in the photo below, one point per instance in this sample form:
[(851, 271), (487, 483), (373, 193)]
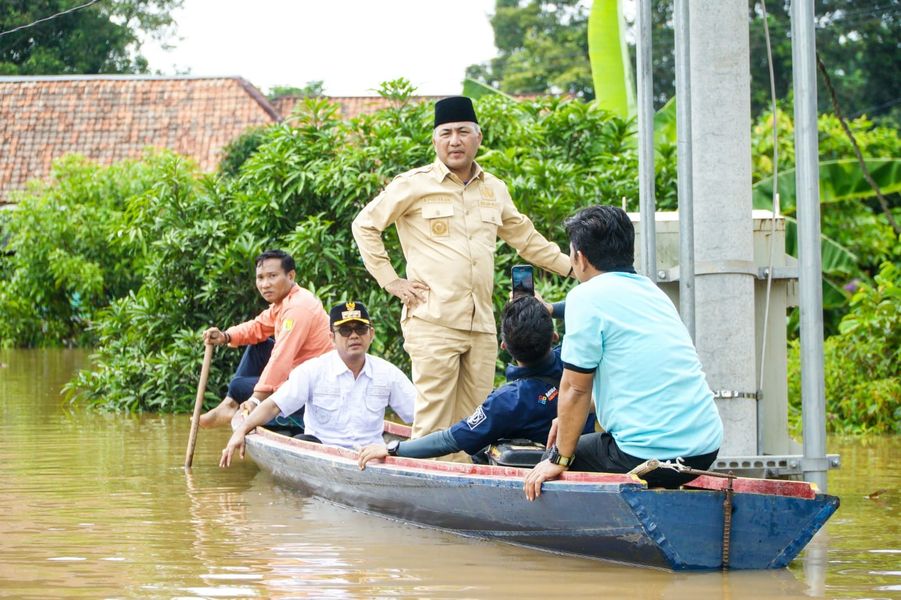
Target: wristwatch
[(392, 447), (558, 459)]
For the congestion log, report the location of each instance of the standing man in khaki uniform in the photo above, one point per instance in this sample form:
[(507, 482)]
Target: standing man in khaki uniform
[(448, 217)]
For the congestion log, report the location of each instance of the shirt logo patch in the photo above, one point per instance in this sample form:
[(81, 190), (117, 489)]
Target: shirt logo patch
[(476, 418), (487, 192), (548, 396), (288, 324), (439, 227)]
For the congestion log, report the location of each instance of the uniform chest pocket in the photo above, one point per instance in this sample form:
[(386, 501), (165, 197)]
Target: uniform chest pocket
[(438, 219), (372, 416), (490, 221), (325, 404), (490, 215), (377, 397)]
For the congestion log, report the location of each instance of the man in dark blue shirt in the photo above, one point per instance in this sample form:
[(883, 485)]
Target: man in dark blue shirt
[(523, 408)]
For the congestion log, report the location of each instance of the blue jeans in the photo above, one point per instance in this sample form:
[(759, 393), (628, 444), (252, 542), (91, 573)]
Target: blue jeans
[(248, 374)]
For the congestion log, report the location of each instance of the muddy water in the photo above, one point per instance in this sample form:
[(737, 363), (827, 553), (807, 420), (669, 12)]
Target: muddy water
[(98, 506)]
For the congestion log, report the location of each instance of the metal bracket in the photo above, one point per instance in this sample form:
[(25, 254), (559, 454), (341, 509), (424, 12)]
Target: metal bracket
[(778, 273), (730, 267), (732, 394), (770, 465)]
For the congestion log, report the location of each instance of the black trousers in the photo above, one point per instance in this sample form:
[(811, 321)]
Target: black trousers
[(598, 452)]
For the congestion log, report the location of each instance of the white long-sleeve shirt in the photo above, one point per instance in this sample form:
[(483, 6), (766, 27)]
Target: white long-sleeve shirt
[(341, 410)]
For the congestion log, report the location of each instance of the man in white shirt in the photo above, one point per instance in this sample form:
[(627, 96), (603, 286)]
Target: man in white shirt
[(345, 391)]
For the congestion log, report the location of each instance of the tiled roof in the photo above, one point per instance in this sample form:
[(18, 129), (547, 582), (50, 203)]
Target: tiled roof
[(110, 118), (350, 106)]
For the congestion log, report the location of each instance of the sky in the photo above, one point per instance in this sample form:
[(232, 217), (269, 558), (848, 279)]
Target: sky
[(350, 45)]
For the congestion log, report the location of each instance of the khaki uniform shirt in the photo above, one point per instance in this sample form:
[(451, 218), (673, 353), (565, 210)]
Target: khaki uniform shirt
[(448, 232)]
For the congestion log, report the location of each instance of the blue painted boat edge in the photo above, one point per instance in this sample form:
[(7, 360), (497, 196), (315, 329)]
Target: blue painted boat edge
[(696, 546), (788, 554), (768, 531)]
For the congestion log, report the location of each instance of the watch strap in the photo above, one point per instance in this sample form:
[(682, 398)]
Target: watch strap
[(392, 447), (558, 459)]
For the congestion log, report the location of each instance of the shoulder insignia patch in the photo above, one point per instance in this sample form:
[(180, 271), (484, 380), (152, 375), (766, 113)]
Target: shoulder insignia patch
[(548, 396), (288, 324), (486, 191), (476, 418)]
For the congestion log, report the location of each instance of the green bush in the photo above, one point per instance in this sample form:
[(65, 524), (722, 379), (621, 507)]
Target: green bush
[(240, 149), (299, 190), (862, 363), (68, 251)]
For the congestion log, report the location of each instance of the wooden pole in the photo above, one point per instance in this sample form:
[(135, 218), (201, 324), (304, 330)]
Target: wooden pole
[(198, 404)]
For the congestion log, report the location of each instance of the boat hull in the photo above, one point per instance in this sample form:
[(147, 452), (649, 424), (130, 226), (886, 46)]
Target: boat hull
[(606, 516)]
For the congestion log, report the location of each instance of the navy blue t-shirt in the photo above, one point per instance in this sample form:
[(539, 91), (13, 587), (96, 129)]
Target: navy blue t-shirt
[(522, 408)]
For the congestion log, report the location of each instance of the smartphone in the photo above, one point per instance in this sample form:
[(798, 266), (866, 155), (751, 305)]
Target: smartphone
[(523, 280)]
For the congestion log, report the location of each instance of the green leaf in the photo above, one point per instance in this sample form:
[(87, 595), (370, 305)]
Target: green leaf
[(835, 257), (840, 180), (611, 68), (476, 89), (665, 123)]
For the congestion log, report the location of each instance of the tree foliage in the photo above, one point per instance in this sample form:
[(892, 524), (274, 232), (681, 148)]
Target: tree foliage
[(312, 88), (101, 38), (140, 257), (542, 48), (299, 190), (68, 251), (862, 362)]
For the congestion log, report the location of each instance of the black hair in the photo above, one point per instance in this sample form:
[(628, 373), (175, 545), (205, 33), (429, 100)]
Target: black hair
[(527, 329), (604, 235), (287, 260)]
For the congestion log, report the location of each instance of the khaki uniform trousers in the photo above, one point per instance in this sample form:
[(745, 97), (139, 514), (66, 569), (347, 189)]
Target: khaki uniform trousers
[(453, 371)]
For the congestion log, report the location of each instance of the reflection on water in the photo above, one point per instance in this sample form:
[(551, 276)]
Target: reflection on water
[(99, 506)]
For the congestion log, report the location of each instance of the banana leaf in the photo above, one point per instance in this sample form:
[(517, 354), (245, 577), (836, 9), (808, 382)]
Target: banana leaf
[(835, 257), (476, 89), (839, 180), (611, 68), (665, 123)]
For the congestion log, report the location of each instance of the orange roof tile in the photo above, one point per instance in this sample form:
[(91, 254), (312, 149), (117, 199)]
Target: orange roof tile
[(112, 117), (350, 106)]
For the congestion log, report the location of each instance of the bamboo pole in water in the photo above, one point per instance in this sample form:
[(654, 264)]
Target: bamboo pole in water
[(198, 404)]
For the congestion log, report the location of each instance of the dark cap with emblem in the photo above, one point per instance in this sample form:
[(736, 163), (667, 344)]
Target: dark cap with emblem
[(454, 109), (348, 311)]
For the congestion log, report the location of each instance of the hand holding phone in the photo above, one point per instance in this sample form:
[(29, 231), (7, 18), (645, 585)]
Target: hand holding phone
[(523, 280)]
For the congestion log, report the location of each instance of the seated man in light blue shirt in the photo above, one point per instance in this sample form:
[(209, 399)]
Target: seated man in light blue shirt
[(626, 343), (345, 391)]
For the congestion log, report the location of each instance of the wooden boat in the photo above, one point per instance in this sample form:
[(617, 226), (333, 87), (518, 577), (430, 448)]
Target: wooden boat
[(606, 516)]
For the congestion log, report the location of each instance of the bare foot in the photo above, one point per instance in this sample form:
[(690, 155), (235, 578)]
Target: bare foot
[(219, 416)]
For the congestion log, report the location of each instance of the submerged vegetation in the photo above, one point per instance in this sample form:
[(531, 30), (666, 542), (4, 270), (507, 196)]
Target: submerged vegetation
[(136, 259)]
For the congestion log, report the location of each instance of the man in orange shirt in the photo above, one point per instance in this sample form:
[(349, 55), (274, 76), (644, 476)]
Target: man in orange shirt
[(297, 321)]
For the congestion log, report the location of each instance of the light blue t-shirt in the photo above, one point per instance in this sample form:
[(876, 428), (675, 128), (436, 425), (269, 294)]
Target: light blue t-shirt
[(650, 392)]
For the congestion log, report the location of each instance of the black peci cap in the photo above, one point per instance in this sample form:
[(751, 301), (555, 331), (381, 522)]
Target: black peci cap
[(454, 110), (348, 311)]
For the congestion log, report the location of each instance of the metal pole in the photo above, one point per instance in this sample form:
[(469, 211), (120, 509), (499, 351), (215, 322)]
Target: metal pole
[(683, 135), (646, 195), (813, 396)]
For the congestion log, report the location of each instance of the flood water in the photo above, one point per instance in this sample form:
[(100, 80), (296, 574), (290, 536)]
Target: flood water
[(98, 506)]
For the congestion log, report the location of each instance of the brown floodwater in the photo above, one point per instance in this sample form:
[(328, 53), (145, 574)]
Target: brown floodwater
[(98, 506)]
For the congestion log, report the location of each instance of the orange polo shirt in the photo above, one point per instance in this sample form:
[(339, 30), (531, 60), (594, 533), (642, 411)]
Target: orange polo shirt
[(300, 326)]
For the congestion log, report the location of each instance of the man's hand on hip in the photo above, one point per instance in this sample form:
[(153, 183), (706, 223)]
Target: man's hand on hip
[(411, 293)]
